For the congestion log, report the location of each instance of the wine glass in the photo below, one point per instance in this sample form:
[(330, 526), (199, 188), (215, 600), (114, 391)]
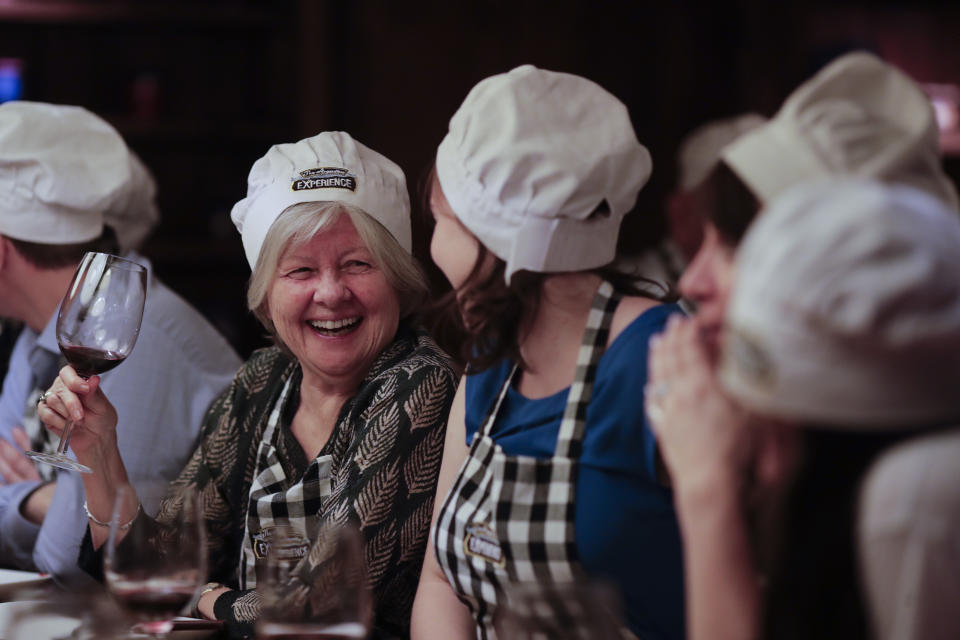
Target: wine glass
[(155, 571), (97, 327), (336, 603), (579, 610), (86, 614)]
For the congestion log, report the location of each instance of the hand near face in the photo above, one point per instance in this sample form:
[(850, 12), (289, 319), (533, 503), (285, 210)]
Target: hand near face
[(702, 434), (73, 398)]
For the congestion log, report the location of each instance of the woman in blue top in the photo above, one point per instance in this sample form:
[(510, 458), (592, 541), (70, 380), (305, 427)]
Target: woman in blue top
[(549, 473)]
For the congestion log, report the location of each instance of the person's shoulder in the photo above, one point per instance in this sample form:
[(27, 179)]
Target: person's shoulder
[(917, 480), (254, 383), (427, 351), (415, 351), (170, 322), (639, 318), (624, 363)]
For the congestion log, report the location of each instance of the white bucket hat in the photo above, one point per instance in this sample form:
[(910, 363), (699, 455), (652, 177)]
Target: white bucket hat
[(846, 308), (542, 166), (134, 215), (61, 168), (330, 166), (700, 149), (859, 116)]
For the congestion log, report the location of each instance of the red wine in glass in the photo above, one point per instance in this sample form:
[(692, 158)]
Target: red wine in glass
[(97, 327), (153, 571), (91, 362), (154, 601)]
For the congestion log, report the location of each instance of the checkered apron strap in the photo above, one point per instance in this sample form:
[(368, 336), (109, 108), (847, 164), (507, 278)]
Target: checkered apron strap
[(509, 519), (272, 503), (545, 494), (570, 439), (468, 501)]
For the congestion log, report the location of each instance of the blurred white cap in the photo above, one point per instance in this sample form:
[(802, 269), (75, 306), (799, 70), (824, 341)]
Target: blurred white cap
[(542, 166), (859, 116), (134, 215), (61, 169), (846, 308), (700, 150), (330, 166)]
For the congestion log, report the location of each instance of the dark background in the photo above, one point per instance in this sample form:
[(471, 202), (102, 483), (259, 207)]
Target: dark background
[(201, 89)]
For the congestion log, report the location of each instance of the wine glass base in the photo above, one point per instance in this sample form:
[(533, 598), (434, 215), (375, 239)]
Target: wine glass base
[(60, 461), (153, 628)]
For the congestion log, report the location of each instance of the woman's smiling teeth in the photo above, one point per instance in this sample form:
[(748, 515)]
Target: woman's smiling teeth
[(335, 327)]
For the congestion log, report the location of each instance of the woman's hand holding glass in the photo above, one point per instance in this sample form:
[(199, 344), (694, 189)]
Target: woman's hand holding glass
[(73, 398), (97, 328)]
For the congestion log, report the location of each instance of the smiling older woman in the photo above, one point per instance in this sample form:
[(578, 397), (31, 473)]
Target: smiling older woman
[(342, 420)]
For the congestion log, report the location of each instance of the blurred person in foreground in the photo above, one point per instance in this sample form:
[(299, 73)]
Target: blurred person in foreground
[(341, 423), (841, 345), (71, 185), (540, 486), (857, 117)]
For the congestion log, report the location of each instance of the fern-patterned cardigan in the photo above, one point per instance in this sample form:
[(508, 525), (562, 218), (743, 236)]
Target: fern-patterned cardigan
[(386, 450)]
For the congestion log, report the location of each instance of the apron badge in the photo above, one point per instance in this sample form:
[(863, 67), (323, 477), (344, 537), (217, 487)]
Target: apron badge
[(287, 544), (481, 542)]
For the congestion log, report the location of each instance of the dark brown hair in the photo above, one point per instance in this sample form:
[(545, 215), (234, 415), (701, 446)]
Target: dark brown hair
[(57, 256), (483, 320), (731, 205), (814, 588)]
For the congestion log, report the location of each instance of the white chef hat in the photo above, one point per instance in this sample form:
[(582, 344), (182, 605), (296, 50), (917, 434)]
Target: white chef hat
[(134, 215), (542, 166), (700, 150), (61, 168), (846, 308), (330, 166), (858, 116)]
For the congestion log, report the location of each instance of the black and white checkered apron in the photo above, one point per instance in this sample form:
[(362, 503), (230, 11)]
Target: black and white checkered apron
[(272, 503), (510, 519)]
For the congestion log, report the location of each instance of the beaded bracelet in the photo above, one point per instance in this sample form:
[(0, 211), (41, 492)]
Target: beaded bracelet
[(122, 527)]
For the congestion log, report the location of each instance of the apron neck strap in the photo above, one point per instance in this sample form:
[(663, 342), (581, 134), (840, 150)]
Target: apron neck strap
[(273, 420), (570, 438), (592, 347)]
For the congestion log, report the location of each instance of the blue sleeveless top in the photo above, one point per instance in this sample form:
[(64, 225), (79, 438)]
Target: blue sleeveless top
[(626, 529)]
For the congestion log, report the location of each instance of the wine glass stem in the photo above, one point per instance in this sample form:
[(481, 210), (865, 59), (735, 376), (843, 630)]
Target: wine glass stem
[(65, 438)]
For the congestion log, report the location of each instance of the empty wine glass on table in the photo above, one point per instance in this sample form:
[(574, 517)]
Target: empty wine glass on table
[(154, 571), (579, 610), (97, 327), (87, 614), (336, 603)]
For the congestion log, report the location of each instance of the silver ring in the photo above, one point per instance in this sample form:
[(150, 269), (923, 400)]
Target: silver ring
[(658, 390), (44, 396), (654, 412)]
